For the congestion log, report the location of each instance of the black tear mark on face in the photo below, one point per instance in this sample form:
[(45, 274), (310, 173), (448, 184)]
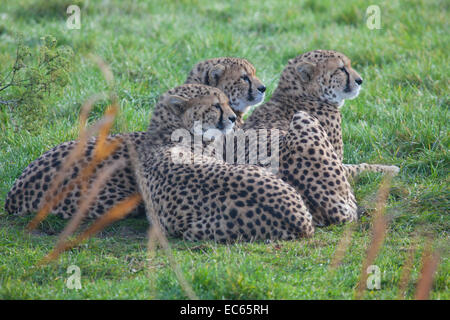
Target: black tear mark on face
[(216, 78), (250, 96), (347, 85), (220, 124)]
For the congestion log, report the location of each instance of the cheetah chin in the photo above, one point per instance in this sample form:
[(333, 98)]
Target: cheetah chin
[(341, 97), (242, 105), (352, 94), (208, 132)]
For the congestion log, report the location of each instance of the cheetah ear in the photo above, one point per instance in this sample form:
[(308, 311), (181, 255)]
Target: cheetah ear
[(215, 73), (176, 104), (306, 71)]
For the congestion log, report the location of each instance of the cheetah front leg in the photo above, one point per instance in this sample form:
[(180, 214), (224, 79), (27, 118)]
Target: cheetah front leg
[(353, 170), (309, 163)]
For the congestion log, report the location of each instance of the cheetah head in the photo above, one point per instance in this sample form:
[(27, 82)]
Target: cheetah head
[(235, 77), (202, 113), (326, 75)]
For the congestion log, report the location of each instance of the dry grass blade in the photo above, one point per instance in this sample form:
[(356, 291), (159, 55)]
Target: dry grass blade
[(406, 272), (155, 231), (104, 68), (54, 193), (151, 253), (102, 150), (86, 109), (342, 246), (117, 212), (430, 261), (378, 233), (73, 224), (61, 193)]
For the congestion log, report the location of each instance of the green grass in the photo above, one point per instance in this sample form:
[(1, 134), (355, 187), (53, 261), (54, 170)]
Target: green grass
[(401, 118)]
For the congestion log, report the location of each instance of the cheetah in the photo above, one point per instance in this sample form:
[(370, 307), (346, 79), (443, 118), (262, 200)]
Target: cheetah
[(204, 198), (306, 102), (317, 82), (234, 76)]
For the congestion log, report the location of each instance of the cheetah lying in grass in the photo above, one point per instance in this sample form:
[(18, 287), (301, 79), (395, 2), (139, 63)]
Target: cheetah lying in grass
[(312, 88), (205, 198), (305, 110), (234, 76)]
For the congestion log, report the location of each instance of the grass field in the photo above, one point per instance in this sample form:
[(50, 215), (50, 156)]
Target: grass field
[(401, 117)]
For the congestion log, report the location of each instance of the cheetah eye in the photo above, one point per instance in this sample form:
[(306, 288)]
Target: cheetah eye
[(217, 106), (246, 78), (343, 69)]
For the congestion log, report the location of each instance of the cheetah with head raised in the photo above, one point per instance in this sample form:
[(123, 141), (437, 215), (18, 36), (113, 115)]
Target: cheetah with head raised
[(305, 105), (204, 198), (235, 77), (317, 82)]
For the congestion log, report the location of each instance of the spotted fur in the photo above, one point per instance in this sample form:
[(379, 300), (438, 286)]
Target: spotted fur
[(236, 77), (209, 199), (312, 88), (26, 195)]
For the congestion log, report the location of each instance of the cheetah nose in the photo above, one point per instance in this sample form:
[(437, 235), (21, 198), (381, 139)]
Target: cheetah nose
[(262, 89), (359, 81), (232, 118)]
